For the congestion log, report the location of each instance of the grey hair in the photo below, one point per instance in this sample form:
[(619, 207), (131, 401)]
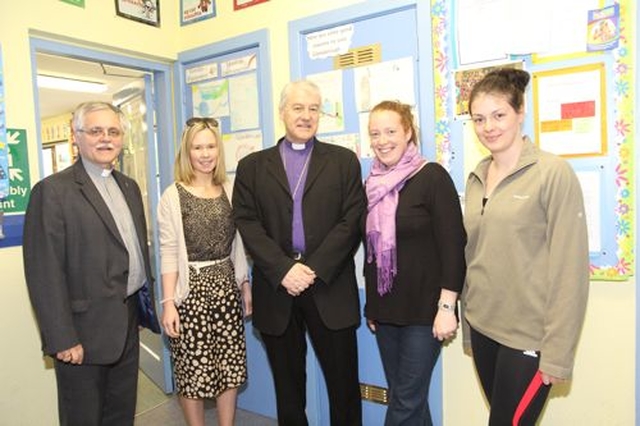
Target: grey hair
[(307, 85), (88, 107)]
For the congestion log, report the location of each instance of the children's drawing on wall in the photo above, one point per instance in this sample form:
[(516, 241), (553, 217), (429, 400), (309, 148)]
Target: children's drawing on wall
[(238, 145), (332, 108), (243, 106), (466, 79), (211, 99), (393, 80), (350, 141)]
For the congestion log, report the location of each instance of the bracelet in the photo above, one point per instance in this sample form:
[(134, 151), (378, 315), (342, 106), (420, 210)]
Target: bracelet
[(167, 299), (447, 307)]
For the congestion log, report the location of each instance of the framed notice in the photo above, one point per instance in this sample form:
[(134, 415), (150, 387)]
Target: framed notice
[(570, 110), (145, 11), (243, 4), (196, 10)]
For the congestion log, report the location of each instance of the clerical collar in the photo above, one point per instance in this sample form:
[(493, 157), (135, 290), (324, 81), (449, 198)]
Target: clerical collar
[(96, 170), (299, 146)]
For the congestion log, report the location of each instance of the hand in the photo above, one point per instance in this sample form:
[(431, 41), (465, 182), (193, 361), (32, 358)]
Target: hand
[(298, 279), (445, 325), (74, 355), (550, 380), (372, 325), (171, 320), (247, 302)]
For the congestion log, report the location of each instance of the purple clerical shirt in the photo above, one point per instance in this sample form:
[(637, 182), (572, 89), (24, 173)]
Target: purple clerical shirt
[(296, 164)]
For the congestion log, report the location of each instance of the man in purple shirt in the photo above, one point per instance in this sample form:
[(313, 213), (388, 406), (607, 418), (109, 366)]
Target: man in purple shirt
[(298, 207)]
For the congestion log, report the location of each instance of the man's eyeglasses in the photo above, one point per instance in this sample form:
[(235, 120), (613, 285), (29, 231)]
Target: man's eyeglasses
[(95, 132), (208, 121)]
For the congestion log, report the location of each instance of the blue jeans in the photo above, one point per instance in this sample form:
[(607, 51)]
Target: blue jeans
[(408, 355)]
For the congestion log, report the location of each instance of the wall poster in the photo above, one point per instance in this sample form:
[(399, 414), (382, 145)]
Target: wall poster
[(196, 10), (145, 11)]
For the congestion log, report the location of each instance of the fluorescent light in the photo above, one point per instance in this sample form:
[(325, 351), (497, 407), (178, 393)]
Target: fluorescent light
[(70, 84)]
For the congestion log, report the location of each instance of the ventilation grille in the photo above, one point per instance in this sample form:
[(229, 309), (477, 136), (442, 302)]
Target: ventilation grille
[(364, 55), (374, 393)]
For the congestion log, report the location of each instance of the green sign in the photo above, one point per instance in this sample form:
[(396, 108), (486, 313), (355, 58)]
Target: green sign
[(79, 3), (19, 180)]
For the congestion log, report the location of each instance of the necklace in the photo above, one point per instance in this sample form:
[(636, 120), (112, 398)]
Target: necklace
[(302, 172)]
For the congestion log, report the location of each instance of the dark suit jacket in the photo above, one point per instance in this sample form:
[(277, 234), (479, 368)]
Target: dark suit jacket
[(333, 202), (76, 264)]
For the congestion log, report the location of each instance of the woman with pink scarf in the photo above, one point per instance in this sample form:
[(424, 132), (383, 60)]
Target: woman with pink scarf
[(415, 265)]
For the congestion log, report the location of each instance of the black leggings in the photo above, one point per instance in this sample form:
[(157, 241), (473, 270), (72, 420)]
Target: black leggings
[(510, 380)]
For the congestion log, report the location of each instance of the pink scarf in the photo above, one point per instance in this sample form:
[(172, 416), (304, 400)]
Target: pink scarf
[(383, 192)]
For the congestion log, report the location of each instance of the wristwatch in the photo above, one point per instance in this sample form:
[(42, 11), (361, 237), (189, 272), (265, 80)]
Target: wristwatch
[(448, 307)]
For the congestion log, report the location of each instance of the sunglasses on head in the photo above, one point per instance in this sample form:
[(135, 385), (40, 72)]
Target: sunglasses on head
[(209, 121)]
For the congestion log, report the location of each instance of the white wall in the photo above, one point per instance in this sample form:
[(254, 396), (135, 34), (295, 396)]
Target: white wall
[(602, 390)]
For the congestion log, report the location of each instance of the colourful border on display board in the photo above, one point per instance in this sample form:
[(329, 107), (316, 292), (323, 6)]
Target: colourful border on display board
[(439, 16), (623, 149)]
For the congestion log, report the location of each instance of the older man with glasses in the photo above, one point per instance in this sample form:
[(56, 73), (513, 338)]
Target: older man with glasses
[(88, 273)]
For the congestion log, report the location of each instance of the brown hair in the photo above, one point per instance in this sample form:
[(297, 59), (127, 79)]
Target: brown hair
[(406, 116), (510, 82)]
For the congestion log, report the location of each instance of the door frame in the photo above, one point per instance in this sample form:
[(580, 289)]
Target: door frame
[(258, 394), (164, 125), (369, 358)]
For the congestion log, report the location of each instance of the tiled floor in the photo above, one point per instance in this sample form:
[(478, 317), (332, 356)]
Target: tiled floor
[(155, 408)]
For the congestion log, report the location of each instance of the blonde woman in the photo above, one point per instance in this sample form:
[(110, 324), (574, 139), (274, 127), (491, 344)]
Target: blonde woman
[(204, 277)]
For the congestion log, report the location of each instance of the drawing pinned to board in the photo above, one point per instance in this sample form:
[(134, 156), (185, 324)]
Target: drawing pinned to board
[(239, 65), (244, 102), (332, 108), (211, 99), (603, 29), (351, 141), (201, 72), (388, 80), (238, 145), (466, 79)]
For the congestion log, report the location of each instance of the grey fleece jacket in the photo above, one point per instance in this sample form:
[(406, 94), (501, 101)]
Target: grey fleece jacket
[(528, 258)]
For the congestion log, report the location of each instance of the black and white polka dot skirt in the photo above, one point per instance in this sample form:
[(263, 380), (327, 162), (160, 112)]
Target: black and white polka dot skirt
[(210, 355)]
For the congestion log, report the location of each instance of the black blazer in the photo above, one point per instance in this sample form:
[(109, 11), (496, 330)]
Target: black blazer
[(76, 264), (333, 203)]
